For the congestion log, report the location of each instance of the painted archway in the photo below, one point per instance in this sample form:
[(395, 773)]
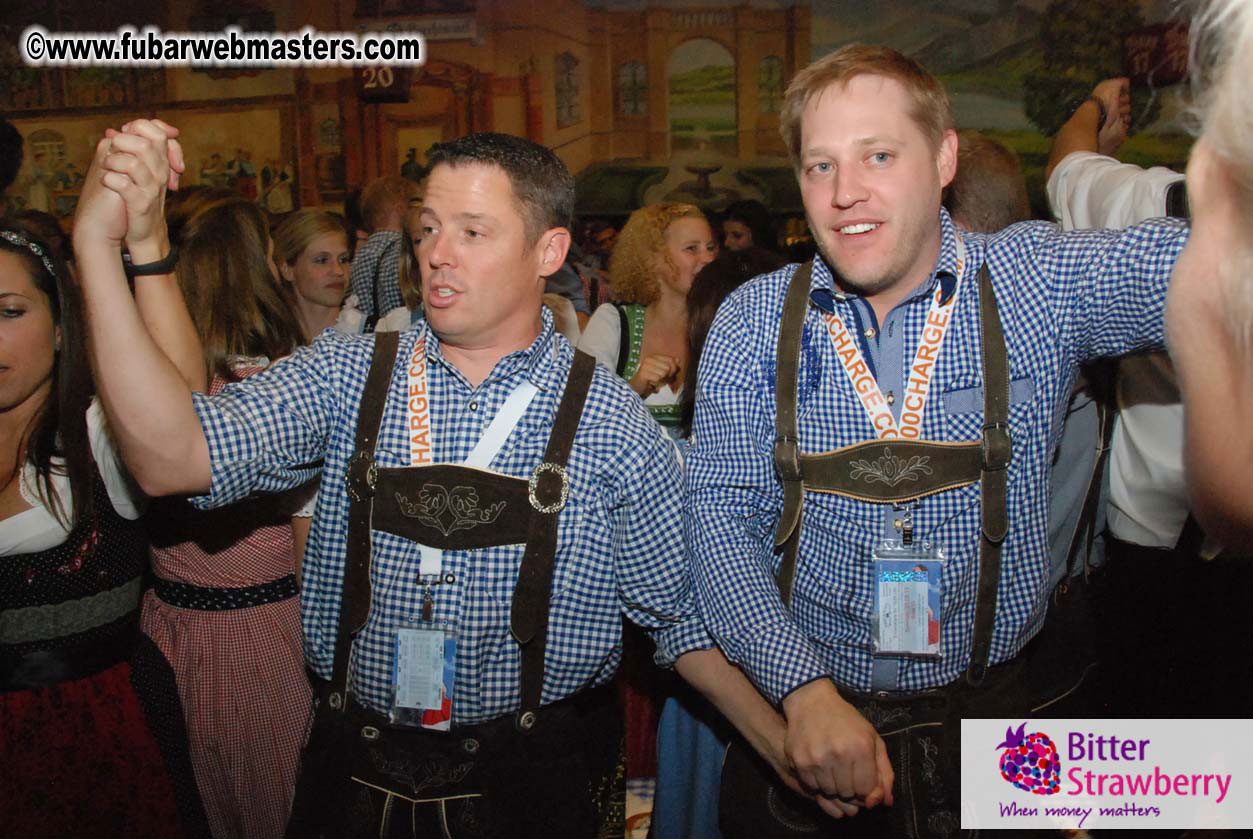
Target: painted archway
[(701, 81)]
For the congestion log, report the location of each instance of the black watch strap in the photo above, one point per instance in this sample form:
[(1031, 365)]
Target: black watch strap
[(161, 266)]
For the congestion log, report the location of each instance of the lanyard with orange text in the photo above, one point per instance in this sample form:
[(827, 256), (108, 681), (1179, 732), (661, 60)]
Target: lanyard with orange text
[(918, 388), (485, 450)]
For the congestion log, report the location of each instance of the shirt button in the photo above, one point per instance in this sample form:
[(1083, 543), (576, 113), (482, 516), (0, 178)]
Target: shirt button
[(891, 398), (870, 333), (474, 406)]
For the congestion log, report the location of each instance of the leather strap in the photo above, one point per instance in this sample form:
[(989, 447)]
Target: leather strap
[(549, 488), (994, 479), (1098, 383), (825, 472), (354, 607), (786, 442)]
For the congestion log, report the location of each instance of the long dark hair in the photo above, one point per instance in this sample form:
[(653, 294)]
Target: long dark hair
[(59, 428), (230, 292), (711, 285)]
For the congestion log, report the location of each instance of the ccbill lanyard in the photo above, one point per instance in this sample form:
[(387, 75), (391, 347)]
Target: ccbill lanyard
[(918, 387), (484, 452)]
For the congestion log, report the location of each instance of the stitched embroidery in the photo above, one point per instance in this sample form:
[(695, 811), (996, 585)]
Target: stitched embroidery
[(459, 507), (890, 469)]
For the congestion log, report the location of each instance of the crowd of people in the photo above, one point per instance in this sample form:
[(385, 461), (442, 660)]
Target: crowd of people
[(318, 527)]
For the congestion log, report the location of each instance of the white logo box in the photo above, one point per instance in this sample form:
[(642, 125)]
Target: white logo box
[(1171, 774)]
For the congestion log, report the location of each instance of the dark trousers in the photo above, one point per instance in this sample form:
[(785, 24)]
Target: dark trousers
[(1174, 634), (562, 777)]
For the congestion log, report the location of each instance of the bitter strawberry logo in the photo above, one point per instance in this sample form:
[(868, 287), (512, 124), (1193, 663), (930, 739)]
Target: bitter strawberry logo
[(1030, 762)]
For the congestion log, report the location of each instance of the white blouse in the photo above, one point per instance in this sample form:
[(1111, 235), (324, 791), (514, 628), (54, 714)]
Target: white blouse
[(37, 529)]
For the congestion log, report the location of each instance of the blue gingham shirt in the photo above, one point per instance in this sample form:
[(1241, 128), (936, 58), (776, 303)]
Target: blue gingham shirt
[(376, 273), (620, 542), (1063, 299)]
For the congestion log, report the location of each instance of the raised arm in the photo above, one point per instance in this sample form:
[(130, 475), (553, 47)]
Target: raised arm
[(160, 302), (1085, 131), (146, 397)]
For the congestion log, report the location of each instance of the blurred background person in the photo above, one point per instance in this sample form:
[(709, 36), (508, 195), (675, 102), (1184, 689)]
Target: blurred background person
[(643, 337), (313, 260), (989, 192), (747, 224), (224, 605), (691, 735)]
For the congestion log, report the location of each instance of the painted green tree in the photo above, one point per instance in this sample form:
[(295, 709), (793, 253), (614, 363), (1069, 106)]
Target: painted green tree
[(1082, 42)]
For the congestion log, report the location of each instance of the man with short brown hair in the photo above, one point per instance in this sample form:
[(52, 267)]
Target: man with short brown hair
[(376, 264), (928, 365)]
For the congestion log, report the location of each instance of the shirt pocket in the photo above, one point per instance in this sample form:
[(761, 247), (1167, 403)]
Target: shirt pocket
[(964, 418)]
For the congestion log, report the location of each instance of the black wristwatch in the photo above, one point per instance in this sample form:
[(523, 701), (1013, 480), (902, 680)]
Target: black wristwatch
[(161, 266)]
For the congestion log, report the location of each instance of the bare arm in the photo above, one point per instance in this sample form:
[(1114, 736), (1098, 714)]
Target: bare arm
[(1084, 130), (147, 399), (158, 297)]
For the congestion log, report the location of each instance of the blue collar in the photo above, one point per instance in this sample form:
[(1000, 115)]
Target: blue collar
[(537, 362)]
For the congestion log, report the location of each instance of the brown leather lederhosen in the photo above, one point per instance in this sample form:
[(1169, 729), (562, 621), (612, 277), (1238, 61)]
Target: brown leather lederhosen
[(361, 776), (921, 730)]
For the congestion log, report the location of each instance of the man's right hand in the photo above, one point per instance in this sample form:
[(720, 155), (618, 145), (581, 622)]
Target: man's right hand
[(834, 751)]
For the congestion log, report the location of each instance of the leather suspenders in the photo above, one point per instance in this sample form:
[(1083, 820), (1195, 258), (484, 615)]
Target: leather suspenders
[(953, 464)]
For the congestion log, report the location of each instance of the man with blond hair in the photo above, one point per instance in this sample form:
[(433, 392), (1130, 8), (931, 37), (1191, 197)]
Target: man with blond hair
[(929, 367)]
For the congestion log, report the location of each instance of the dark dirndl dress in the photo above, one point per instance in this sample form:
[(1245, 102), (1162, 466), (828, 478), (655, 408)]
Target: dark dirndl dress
[(92, 741)]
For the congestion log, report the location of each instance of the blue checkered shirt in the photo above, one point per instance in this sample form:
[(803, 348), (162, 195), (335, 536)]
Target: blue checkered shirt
[(1063, 299), (620, 542), (376, 273)]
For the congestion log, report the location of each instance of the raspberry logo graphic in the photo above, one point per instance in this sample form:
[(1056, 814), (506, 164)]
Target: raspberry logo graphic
[(1030, 762)]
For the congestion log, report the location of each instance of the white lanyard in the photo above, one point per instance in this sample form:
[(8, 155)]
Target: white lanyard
[(918, 387), (485, 450)]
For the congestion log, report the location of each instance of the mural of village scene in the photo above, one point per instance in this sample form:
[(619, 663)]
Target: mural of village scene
[(57, 154), (240, 150), (1016, 69)]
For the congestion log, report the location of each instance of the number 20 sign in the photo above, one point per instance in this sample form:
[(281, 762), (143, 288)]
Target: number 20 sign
[(382, 84)]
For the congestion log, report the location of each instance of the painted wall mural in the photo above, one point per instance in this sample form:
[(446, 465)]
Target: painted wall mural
[(1015, 69)]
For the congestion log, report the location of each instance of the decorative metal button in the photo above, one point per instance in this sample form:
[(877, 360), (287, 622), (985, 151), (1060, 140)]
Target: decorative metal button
[(336, 701), (470, 745), (474, 406), (870, 333), (891, 398), (369, 732), (527, 720), (533, 484)]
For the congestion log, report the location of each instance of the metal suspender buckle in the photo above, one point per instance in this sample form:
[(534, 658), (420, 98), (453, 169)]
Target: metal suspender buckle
[(997, 446), (787, 461), (361, 476), (554, 497)]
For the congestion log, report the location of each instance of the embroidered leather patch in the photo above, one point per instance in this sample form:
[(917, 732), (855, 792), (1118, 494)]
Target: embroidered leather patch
[(890, 469), (448, 511)]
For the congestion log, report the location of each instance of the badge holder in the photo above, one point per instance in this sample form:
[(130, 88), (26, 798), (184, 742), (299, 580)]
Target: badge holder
[(424, 663), (907, 596)]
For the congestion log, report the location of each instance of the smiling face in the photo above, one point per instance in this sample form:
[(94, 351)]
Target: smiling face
[(871, 183), (690, 246), (482, 280), (319, 276), (28, 336)]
